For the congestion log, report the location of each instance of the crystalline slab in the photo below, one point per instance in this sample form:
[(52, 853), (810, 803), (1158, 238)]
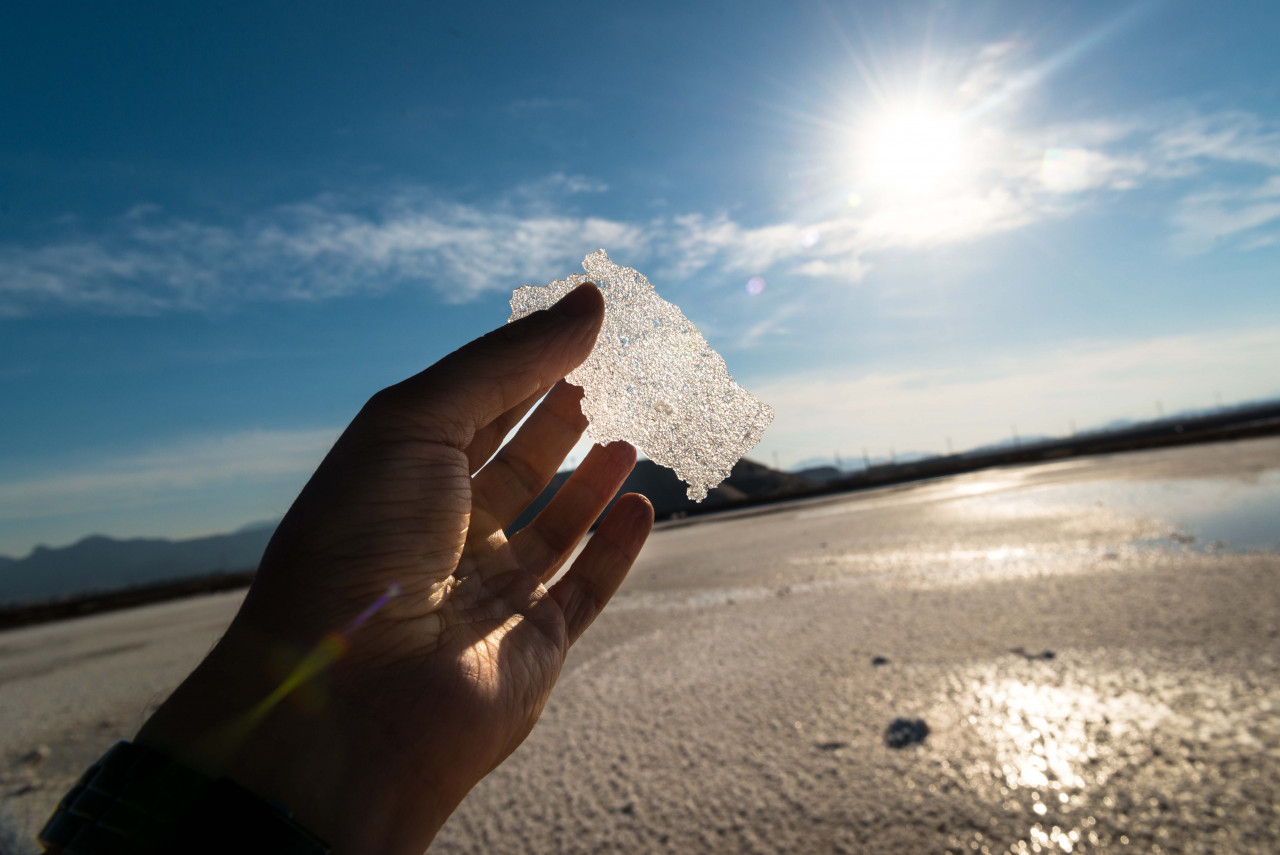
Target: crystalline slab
[(653, 380)]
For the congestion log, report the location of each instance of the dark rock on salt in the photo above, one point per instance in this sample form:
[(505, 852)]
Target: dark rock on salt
[(37, 755), (905, 731), (877, 661)]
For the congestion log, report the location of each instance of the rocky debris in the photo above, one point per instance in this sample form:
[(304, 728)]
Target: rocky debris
[(1031, 657), (833, 745), (37, 755), (902, 732), (877, 661)]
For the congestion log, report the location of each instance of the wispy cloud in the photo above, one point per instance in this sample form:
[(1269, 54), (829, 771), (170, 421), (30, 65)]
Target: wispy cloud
[(166, 474), (775, 323), (324, 248), (1239, 203), (545, 190), (150, 261), (1090, 382), (1230, 136), (1207, 220), (457, 250)]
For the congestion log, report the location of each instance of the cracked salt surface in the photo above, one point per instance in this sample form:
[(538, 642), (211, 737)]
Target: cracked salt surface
[(653, 381)]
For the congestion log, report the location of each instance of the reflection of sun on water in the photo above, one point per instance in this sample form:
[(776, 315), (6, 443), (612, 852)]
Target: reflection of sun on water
[(1045, 738), (1116, 749)]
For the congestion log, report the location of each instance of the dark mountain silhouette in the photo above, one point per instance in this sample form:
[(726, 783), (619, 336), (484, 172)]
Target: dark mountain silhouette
[(827, 469), (1008, 443), (99, 563), (821, 474), (667, 492)]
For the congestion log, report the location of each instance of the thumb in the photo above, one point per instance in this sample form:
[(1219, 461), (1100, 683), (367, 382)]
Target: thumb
[(471, 387)]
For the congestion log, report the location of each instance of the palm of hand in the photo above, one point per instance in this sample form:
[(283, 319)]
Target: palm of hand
[(473, 642)]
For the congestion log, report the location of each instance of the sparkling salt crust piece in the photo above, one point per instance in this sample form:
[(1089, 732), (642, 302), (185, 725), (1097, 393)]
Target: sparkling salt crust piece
[(653, 381)]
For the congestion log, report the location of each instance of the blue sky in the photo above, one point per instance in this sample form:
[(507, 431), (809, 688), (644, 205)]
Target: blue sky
[(223, 227)]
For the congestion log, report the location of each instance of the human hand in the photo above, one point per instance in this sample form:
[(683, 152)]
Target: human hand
[(413, 703)]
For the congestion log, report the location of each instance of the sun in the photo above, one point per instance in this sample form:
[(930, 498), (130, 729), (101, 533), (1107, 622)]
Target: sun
[(915, 151)]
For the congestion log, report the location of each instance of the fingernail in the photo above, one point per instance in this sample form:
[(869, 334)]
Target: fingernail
[(578, 303)]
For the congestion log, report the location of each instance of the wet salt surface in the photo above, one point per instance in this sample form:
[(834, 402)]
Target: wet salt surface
[(983, 532), (1208, 513), (1238, 513)]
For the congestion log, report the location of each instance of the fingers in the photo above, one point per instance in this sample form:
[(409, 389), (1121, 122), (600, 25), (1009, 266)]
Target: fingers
[(543, 545), (525, 466), (472, 387), (591, 581), (487, 440)]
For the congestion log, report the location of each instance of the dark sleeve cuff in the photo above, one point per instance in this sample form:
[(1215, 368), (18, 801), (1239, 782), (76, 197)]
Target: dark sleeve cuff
[(136, 801)]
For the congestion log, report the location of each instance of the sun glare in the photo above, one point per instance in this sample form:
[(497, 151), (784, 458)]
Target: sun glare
[(917, 152)]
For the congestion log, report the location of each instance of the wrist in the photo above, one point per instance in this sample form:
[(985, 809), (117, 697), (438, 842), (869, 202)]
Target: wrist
[(325, 762)]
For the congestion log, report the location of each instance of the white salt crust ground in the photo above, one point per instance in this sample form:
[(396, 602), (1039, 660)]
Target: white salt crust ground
[(726, 701)]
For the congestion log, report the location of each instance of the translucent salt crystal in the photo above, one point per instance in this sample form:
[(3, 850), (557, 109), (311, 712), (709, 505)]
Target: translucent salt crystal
[(653, 381)]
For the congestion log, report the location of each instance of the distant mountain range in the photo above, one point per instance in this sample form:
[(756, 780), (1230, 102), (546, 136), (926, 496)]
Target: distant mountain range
[(99, 564), (827, 469), (821, 474)]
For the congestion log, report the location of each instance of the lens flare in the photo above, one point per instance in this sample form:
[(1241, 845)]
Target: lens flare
[(223, 741), (1065, 170), (755, 285)]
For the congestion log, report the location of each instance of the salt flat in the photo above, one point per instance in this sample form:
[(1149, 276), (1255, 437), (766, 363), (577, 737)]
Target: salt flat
[(1092, 643)]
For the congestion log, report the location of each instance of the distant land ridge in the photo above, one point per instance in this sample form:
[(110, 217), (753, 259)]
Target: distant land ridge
[(100, 573), (102, 564)]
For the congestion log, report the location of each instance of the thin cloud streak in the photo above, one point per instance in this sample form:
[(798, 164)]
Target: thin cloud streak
[(1229, 136), (1207, 220), (183, 469), (1089, 383)]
